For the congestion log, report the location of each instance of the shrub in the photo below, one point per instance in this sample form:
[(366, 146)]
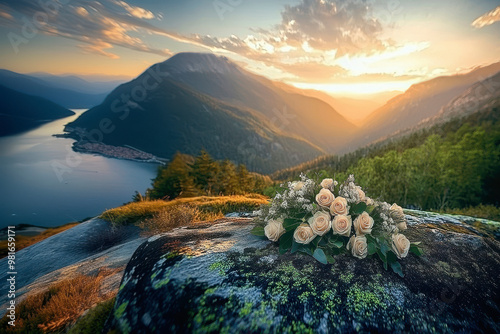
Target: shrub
[(170, 217)]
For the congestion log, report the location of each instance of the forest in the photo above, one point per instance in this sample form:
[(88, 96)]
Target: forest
[(448, 166)]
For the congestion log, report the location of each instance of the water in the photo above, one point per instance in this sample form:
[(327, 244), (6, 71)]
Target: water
[(43, 182)]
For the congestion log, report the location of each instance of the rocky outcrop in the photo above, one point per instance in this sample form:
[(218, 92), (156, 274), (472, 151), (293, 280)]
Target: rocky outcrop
[(83, 249), (220, 278)]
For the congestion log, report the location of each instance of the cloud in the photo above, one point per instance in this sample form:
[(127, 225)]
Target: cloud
[(318, 41), (100, 25), (315, 40), (487, 19), (138, 12)]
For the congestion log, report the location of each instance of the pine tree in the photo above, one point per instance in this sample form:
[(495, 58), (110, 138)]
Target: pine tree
[(168, 183), (204, 172)]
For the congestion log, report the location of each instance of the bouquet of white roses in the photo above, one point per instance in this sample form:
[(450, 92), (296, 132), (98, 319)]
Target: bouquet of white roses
[(326, 219)]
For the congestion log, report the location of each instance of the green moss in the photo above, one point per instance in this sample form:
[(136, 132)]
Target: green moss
[(246, 309), (221, 266), (447, 269), (346, 277), (120, 310), (94, 320), (364, 300)]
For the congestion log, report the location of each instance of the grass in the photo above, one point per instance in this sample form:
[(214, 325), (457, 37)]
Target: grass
[(25, 241), (53, 310), (489, 212), (197, 208)]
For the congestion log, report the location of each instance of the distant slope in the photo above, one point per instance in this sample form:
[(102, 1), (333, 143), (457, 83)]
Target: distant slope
[(175, 118), (21, 112), (479, 96), (286, 107), (419, 102), (55, 90), (354, 110), (79, 83)]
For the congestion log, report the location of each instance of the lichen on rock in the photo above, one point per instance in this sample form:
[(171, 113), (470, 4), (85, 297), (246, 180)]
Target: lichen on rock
[(222, 279)]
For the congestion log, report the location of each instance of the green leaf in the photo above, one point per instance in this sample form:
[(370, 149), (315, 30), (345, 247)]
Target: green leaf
[(358, 208), (320, 256), (369, 209), (291, 224), (384, 248), (286, 242), (396, 267), (391, 257), (416, 250), (305, 249), (330, 258), (323, 242), (258, 231), (295, 246), (316, 241), (336, 251), (382, 257), (336, 241), (372, 248)]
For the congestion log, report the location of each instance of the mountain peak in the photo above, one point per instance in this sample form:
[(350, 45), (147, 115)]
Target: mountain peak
[(191, 62)]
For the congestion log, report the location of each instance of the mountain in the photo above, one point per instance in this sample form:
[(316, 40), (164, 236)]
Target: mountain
[(352, 109), (481, 95), (194, 101), (421, 101), (21, 112), (285, 106), (79, 83), (70, 92), (174, 117)]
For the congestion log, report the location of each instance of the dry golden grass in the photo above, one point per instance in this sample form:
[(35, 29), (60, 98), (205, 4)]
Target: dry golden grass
[(25, 241), (59, 306), (207, 208)]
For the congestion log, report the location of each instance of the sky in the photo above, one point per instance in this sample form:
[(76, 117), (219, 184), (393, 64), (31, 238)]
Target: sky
[(343, 47)]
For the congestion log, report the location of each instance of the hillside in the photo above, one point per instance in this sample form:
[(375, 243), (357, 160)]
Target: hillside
[(70, 92), (202, 101), (421, 101), (176, 118), (21, 112), (287, 108)]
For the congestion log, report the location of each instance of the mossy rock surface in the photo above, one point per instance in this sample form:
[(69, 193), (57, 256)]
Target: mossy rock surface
[(222, 279)]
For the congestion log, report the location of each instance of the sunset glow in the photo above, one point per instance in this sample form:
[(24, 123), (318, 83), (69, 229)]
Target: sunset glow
[(340, 47)]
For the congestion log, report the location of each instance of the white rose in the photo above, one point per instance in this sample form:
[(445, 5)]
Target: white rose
[(304, 234), (361, 194), (325, 198), (339, 206), (297, 185), (342, 225), (363, 224), (274, 230), (398, 216), (400, 245), (320, 223), (358, 246), (327, 183)]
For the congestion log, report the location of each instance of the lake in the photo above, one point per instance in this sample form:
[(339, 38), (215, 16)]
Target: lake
[(43, 182)]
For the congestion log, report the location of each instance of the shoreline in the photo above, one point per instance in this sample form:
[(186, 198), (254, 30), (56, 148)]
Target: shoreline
[(125, 152)]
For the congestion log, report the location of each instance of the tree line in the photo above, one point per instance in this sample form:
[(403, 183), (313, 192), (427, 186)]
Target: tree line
[(188, 176)]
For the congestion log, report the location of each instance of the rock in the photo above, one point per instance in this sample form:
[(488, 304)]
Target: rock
[(83, 249), (223, 279)]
